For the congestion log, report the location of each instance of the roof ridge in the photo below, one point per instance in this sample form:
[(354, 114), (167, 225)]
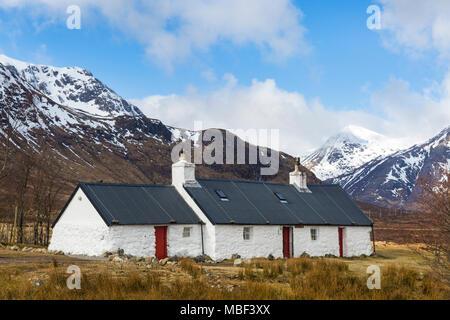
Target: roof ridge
[(125, 184), (245, 181)]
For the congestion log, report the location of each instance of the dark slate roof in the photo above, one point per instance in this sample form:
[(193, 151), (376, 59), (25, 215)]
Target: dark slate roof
[(128, 204), (255, 203)]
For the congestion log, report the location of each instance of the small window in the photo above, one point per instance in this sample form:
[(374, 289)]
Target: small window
[(186, 232), (313, 234), (222, 195), (247, 233), (281, 197)]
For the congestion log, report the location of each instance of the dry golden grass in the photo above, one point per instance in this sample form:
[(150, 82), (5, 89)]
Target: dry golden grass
[(298, 278)]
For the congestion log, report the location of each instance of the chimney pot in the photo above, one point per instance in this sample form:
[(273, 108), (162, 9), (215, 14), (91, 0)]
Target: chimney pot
[(298, 178)]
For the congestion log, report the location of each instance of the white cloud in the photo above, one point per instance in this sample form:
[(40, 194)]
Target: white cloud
[(209, 75), (413, 116), (304, 125), (172, 30), (417, 26)]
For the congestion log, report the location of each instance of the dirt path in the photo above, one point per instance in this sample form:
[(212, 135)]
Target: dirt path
[(12, 257)]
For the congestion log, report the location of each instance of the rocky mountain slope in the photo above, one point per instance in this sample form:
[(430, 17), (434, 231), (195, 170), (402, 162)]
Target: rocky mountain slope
[(72, 87), (92, 132), (348, 150), (392, 180)]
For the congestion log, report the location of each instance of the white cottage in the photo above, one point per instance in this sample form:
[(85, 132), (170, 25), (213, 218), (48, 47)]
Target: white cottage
[(214, 217)]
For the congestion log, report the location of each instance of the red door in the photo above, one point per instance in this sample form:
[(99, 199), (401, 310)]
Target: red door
[(286, 242), (161, 242), (341, 242)]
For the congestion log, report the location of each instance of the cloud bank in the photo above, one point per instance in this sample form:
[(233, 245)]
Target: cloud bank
[(417, 26), (172, 30), (304, 124)]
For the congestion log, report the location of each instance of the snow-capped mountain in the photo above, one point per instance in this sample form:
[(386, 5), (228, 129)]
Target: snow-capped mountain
[(72, 87), (393, 180), (347, 150), (105, 138)]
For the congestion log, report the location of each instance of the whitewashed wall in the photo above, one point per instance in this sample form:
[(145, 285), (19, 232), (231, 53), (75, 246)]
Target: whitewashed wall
[(264, 240), (184, 247), (139, 240), (136, 240), (327, 241), (357, 241), (209, 235), (80, 230)]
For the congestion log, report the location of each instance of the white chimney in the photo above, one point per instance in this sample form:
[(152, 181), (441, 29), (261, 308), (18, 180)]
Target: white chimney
[(298, 178), (183, 172)]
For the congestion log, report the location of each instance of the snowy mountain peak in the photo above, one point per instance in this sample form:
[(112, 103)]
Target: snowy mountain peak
[(362, 133), (392, 180), (73, 87), (350, 148)]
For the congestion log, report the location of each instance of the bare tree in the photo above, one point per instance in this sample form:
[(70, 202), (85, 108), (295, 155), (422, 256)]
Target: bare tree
[(45, 191), (435, 202), (24, 163)]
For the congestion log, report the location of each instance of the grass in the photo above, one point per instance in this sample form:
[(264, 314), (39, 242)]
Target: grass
[(298, 278)]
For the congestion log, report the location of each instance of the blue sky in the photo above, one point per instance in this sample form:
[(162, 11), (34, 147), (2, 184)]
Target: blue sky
[(337, 60)]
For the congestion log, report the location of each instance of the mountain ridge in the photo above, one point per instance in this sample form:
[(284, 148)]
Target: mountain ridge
[(347, 150), (393, 180)]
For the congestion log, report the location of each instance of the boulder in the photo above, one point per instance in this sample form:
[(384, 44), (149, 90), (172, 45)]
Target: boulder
[(164, 261), (118, 259), (237, 262), (149, 259), (106, 254), (235, 256)]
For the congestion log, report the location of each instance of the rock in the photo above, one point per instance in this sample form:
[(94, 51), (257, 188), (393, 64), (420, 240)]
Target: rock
[(164, 261), (270, 257), (235, 256), (38, 283), (117, 259), (149, 259), (237, 262), (155, 260), (247, 261), (200, 258), (111, 257), (219, 260), (120, 252), (305, 255), (171, 263), (15, 248), (106, 254)]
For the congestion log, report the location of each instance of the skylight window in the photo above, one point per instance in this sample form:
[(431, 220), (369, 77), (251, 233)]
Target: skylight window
[(222, 195), (281, 197)]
